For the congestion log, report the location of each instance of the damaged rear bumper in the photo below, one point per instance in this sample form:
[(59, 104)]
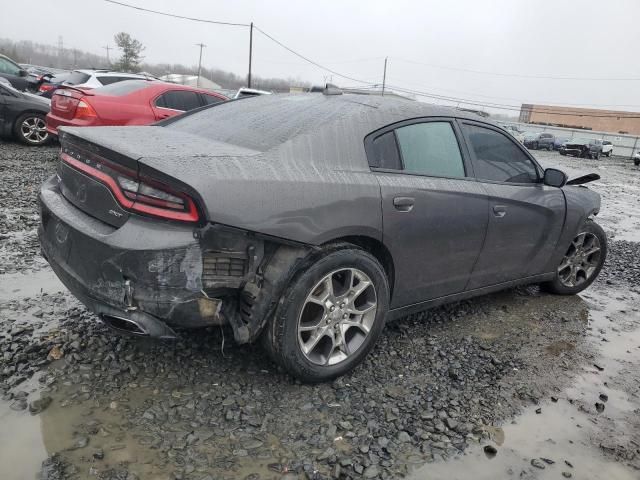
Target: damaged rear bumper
[(151, 276)]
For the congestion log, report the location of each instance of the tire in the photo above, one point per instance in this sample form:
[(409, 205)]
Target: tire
[(535, 146), (30, 129), (636, 161), (550, 147), (325, 361), (559, 285), (596, 156)]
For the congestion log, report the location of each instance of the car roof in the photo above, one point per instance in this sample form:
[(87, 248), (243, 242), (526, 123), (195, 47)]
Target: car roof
[(268, 121)]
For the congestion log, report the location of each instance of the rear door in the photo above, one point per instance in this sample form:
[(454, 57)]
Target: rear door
[(434, 212), (525, 216)]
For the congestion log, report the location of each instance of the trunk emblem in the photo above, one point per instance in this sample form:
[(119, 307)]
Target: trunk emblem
[(62, 232)]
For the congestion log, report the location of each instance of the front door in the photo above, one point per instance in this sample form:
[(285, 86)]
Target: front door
[(434, 213), (525, 216)]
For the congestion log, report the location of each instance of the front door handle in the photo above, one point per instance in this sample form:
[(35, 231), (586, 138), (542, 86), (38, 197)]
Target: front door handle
[(499, 210), (403, 204)]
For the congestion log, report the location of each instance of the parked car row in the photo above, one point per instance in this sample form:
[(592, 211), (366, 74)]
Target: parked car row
[(578, 147), (128, 102)]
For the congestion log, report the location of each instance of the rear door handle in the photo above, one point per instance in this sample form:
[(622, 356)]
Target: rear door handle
[(403, 204), (499, 210)]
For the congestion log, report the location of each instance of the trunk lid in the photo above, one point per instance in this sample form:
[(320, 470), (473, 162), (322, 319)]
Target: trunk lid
[(64, 101), (171, 157)]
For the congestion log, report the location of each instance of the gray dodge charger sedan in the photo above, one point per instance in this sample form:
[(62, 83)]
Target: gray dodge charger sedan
[(307, 221)]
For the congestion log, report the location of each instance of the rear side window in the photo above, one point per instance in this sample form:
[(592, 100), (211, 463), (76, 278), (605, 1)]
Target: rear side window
[(182, 100), (497, 158), (211, 99), (385, 152), (76, 78), (430, 149)]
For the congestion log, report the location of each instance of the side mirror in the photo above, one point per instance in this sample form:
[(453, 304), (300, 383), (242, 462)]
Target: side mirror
[(555, 178), (23, 73)]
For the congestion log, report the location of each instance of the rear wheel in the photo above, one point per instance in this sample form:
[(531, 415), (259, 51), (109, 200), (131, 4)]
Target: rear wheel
[(582, 263), (330, 316), (30, 129)]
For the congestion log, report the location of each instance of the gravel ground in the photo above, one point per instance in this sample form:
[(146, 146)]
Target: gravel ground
[(437, 385)]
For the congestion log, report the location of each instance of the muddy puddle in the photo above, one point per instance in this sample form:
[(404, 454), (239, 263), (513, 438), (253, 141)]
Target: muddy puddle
[(590, 430), (22, 285)]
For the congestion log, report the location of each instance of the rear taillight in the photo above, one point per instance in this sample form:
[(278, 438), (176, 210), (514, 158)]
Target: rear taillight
[(85, 111), (45, 88), (142, 195)]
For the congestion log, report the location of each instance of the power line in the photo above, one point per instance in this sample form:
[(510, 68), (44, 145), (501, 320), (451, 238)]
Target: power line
[(308, 59), (370, 84), (518, 75), (543, 102), (217, 22), (515, 108)]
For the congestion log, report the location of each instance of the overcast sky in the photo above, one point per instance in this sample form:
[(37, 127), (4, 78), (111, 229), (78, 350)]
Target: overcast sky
[(432, 45)]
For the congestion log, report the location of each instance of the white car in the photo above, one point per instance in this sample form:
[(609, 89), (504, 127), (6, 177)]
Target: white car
[(517, 133), (250, 92), (607, 148), (100, 78)]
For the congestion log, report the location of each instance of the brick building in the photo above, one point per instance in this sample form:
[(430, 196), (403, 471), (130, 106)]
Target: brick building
[(584, 118)]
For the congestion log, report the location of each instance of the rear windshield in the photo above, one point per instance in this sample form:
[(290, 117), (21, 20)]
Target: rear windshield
[(76, 78), (265, 122), (123, 88)]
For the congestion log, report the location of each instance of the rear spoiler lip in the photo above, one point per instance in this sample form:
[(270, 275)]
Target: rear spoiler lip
[(86, 92)]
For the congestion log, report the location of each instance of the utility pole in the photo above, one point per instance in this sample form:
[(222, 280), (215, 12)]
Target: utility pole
[(384, 75), (107, 48), (250, 53), (201, 45)]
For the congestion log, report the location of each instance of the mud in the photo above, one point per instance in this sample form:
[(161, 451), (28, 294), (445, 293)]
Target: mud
[(437, 389)]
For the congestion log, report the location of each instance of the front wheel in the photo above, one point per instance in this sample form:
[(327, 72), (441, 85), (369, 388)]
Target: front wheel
[(330, 315), (583, 261)]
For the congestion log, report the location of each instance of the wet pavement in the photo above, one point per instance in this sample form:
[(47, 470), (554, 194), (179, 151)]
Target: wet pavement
[(547, 381)]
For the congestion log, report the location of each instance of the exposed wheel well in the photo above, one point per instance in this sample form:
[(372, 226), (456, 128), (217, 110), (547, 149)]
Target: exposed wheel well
[(378, 250)]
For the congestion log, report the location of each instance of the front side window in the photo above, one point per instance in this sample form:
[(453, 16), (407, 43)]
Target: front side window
[(497, 158), (9, 68), (430, 148)]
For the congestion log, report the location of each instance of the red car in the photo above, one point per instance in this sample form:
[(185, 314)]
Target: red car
[(130, 102)]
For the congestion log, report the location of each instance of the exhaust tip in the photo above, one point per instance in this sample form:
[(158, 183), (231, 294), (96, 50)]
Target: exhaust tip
[(125, 325)]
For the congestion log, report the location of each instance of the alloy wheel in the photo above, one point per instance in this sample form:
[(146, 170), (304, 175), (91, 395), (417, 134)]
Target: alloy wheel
[(581, 260), (337, 316), (34, 130)]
